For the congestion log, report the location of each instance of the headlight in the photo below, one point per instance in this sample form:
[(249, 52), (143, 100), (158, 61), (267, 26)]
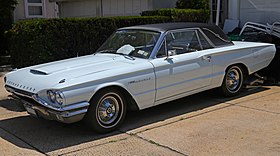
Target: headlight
[(56, 97), (59, 97), (51, 96)]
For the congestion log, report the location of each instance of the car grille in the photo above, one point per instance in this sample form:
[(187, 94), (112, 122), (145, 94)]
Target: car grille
[(18, 85), (24, 95)]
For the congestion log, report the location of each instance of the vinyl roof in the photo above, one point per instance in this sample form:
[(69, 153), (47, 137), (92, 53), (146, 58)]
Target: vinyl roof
[(169, 26), (213, 32)]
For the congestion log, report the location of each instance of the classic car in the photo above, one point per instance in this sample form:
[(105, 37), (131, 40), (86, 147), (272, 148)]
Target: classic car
[(136, 68)]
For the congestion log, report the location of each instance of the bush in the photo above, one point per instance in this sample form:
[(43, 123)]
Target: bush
[(44, 40), (6, 8), (193, 4), (180, 15)]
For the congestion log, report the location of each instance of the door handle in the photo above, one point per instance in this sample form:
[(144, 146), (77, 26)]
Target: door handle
[(207, 58)]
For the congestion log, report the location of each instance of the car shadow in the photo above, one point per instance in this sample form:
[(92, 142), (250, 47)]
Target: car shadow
[(48, 136), (11, 105)]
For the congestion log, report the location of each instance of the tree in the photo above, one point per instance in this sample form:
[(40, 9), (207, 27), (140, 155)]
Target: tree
[(6, 10)]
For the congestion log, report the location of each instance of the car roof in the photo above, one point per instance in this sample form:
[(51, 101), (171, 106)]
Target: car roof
[(169, 26), (219, 38)]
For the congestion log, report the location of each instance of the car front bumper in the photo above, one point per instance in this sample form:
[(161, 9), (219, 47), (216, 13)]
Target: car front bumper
[(39, 108)]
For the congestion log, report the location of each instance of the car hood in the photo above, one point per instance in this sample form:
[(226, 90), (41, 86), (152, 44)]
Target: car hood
[(78, 66), (49, 75)]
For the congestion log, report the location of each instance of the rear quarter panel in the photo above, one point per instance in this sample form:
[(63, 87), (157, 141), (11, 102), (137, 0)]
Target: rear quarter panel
[(255, 56)]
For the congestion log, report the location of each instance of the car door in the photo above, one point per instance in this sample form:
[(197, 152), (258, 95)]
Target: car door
[(186, 67)]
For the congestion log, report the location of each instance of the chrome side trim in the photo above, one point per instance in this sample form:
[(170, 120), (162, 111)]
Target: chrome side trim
[(61, 109), (60, 113), (45, 104), (70, 114), (20, 93)]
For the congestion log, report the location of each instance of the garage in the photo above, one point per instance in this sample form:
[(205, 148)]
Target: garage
[(254, 11)]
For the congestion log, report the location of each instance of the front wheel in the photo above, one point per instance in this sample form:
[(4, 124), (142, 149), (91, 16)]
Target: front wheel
[(233, 81), (107, 110)]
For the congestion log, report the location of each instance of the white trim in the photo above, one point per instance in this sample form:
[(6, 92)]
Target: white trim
[(43, 5), (234, 9)]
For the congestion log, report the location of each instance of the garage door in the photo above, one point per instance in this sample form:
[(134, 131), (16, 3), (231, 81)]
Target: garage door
[(264, 11)]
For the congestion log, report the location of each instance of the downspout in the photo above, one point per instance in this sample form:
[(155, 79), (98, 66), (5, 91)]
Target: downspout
[(218, 12), (101, 8), (211, 11)]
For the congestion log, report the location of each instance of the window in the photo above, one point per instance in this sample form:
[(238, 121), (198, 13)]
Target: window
[(134, 43), (34, 8), (218, 39), (161, 53), (204, 43), (180, 42)]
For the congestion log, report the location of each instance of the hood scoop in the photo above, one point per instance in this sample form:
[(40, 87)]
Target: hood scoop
[(38, 72)]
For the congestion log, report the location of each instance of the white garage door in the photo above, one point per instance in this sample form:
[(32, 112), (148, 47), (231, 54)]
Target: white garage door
[(264, 11)]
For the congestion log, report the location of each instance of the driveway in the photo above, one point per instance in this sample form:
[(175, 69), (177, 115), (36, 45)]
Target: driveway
[(201, 124)]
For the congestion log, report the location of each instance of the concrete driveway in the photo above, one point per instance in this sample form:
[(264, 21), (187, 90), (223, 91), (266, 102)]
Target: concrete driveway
[(202, 124)]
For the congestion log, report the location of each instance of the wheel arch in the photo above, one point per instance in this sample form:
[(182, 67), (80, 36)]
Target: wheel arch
[(131, 102), (243, 67), (234, 88)]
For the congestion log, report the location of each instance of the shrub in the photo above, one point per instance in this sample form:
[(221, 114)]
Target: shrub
[(192, 4), (6, 8), (44, 40), (180, 15)]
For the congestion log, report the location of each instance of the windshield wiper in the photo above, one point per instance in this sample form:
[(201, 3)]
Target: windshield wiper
[(126, 56), (110, 51)]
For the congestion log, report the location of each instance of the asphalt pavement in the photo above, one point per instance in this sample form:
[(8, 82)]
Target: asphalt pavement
[(201, 124)]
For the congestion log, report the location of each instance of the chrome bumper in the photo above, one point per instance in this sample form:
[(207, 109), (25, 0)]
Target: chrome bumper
[(39, 108)]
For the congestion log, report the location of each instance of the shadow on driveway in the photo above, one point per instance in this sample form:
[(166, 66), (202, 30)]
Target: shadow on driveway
[(12, 105), (47, 136)]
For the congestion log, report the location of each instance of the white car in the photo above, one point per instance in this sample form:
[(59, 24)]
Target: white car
[(136, 68)]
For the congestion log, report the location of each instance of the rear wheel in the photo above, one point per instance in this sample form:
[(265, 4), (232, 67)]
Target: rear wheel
[(107, 110), (233, 81)]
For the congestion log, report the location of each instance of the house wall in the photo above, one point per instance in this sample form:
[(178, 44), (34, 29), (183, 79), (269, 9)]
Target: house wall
[(261, 11), (157, 4), (50, 10), (19, 12), (88, 8), (93, 8), (125, 7), (233, 9)]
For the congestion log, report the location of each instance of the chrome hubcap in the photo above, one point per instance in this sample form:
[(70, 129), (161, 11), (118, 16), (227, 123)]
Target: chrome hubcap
[(233, 80), (108, 110)]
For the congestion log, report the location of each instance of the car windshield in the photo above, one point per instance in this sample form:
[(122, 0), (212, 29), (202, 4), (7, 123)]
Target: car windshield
[(132, 43)]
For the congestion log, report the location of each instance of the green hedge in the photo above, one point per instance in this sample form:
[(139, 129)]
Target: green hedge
[(181, 15), (192, 4), (44, 40)]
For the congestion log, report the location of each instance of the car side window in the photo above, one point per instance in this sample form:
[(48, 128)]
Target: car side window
[(181, 42), (161, 52), (218, 39), (204, 43), (184, 42)]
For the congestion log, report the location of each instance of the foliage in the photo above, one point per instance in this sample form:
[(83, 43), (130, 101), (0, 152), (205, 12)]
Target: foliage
[(6, 8), (180, 15), (192, 4), (44, 40)]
